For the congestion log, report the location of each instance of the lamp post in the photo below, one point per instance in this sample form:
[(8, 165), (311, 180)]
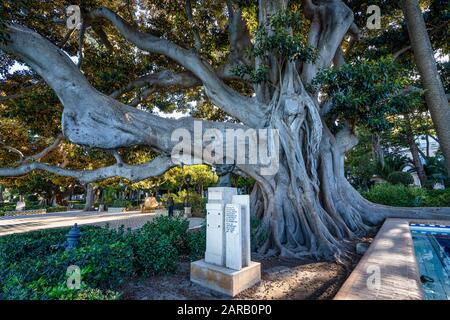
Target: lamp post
[(187, 205)]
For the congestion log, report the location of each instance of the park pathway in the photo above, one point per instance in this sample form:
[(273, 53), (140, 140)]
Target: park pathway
[(26, 223)]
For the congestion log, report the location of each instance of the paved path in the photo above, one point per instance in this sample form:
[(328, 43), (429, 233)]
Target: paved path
[(25, 223)]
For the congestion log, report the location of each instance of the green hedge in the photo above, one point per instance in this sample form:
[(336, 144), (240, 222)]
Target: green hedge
[(398, 177), (196, 243), (118, 203), (6, 207), (78, 206), (57, 209), (437, 198), (33, 265), (159, 245), (404, 196)]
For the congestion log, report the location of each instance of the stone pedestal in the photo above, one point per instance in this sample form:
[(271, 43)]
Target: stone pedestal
[(227, 267), (225, 280)]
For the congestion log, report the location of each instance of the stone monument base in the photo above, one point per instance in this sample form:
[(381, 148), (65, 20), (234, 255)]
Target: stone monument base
[(224, 280)]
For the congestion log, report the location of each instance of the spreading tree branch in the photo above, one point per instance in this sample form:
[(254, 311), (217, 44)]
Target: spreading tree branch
[(46, 151), (12, 149), (154, 168), (91, 118), (245, 109), (330, 22), (163, 79)]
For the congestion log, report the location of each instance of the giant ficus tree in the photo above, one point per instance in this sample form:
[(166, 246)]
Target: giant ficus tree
[(260, 74)]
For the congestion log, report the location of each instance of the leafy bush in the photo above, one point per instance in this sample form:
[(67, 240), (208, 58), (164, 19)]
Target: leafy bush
[(63, 293), (108, 195), (118, 203), (399, 177), (57, 209), (196, 243), (403, 196), (4, 207), (437, 198), (395, 195), (159, 243), (156, 254), (34, 265), (436, 170), (33, 205), (77, 206), (31, 198)]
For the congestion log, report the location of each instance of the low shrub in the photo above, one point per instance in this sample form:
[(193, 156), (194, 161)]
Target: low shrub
[(399, 177), (33, 205), (34, 265), (7, 207), (57, 209), (403, 196), (155, 254), (437, 198), (62, 292), (159, 243), (120, 204), (196, 243), (77, 206)]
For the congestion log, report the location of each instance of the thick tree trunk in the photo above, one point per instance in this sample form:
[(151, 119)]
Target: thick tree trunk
[(90, 195), (309, 208), (435, 94), (1, 194), (306, 212)]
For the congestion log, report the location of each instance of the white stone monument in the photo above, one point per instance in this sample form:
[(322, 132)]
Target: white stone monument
[(227, 266), (20, 205)]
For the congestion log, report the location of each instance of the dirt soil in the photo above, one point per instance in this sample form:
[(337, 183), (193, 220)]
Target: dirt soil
[(281, 279)]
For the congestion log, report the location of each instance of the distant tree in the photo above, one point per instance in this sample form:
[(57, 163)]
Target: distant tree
[(435, 95)]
